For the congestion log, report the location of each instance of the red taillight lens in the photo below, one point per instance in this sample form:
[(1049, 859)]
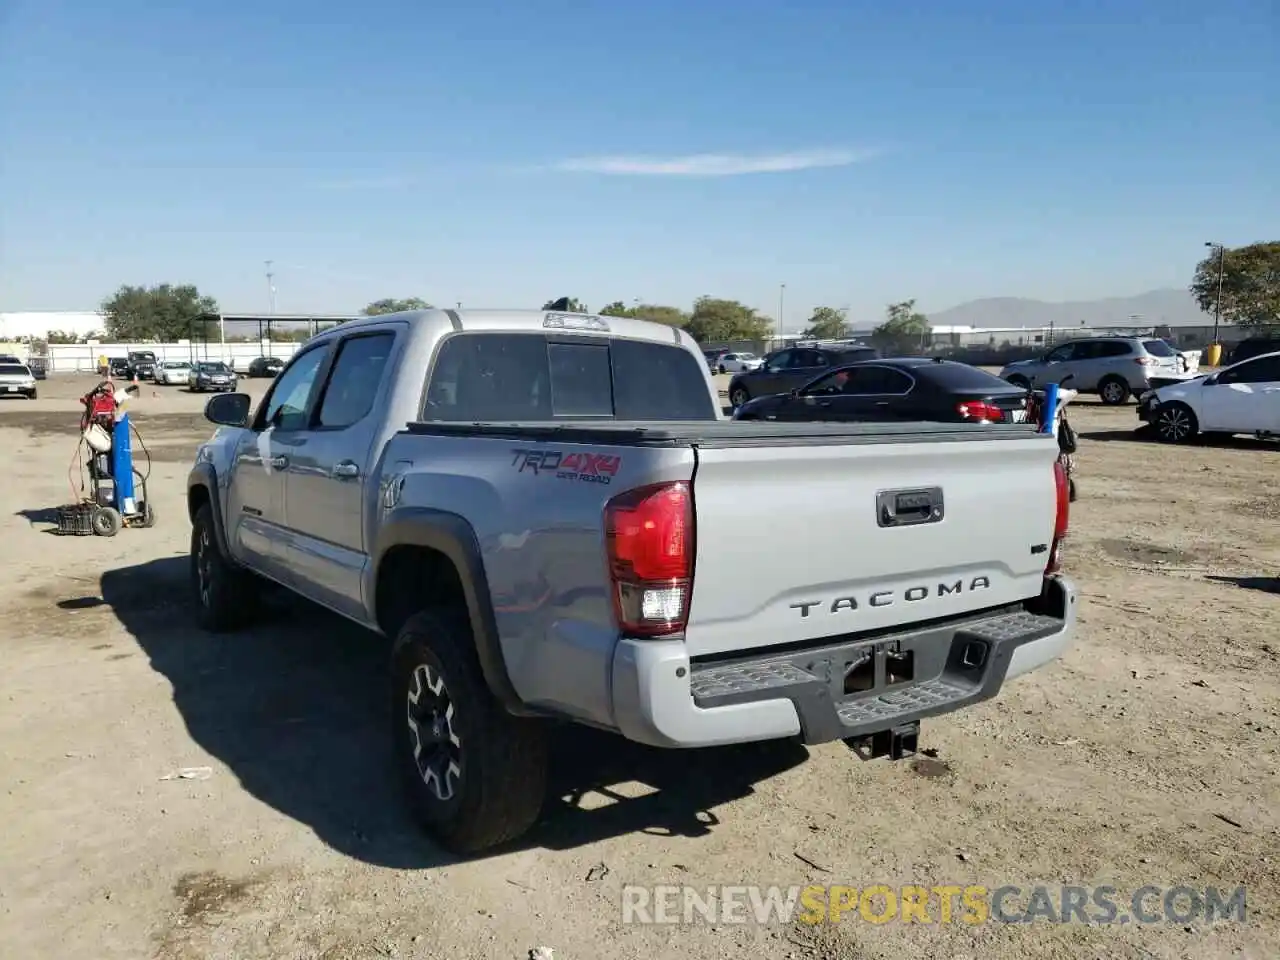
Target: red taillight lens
[(649, 540), (980, 411), (1061, 517)]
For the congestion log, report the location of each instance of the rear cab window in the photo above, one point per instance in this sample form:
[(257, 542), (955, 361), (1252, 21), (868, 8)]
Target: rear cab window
[(503, 377)]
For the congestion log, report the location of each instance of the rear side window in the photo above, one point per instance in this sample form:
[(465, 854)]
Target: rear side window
[(353, 384), (491, 377), (1158, 348)]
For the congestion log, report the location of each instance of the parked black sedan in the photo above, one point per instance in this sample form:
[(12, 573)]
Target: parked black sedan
[(265, 366), (904, 388)]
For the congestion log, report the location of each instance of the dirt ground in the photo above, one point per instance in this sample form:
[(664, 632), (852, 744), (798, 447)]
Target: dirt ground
[(1147, 756)]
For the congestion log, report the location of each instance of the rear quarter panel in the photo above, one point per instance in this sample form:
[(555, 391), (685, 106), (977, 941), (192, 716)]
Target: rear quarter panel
[(537, 512)]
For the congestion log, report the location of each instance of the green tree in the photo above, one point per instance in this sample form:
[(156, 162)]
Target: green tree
[(653, 312), (61, 336), (566, 305), (716, 320), (1250, 284), (391, 305), (165, 312), (827, 323), (904, 330), (656, 313), (616, 309)]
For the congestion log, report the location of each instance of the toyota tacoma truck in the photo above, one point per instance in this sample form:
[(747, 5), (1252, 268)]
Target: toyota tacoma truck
[(550, 518)]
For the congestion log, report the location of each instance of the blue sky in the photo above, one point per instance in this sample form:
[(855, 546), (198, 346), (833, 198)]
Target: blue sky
[(502, 153)]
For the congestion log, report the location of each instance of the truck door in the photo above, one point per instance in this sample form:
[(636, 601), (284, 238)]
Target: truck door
[(328, 474), (255, 517)]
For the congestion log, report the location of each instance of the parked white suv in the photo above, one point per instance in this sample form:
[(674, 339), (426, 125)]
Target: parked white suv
[(1115, 368), (1244, 398)]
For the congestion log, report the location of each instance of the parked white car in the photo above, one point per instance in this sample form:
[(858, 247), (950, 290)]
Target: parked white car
[(740, 362), (1243, 398), (173, 372)]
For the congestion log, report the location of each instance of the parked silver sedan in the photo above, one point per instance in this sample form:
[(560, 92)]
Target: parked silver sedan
[(17, 380), (173, 373)]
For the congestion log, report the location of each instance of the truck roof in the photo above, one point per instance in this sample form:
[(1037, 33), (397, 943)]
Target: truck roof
[(536, 320)]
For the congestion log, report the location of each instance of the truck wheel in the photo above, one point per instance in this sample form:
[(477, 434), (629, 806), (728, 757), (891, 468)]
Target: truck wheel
[(474, 775), (1021, 382), (1113, 391), (226, 596), (738, 396)]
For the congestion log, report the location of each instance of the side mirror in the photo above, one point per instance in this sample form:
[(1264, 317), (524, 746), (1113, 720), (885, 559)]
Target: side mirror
[(228, 409), (1210, 380)]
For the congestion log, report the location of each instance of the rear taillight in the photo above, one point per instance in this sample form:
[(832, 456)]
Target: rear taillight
[(1146, 361), (980, 411), (649, 541), (1062, 513)]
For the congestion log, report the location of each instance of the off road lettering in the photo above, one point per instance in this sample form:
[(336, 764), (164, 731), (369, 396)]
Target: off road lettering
[(591, 464), (536, 461)]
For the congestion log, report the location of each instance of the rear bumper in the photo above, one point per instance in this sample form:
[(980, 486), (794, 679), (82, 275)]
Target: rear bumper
[(661, 698)]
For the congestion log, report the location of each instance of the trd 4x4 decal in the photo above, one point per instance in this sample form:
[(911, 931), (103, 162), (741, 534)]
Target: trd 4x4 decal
[(586, 467)]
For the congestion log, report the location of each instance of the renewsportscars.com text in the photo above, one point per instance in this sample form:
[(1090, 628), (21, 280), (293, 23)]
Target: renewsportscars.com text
[(942, 904)]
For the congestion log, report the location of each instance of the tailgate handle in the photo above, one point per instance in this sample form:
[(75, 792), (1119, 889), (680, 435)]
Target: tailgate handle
[(904, 508)]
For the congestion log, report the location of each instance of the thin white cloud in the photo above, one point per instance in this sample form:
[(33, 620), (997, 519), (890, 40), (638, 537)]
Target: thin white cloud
[(713, 164)]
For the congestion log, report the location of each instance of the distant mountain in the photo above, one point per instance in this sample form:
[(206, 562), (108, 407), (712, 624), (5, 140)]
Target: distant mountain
[(1174, 308)]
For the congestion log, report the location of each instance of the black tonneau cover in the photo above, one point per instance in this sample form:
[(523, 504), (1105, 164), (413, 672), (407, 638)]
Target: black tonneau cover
[(728, 433)]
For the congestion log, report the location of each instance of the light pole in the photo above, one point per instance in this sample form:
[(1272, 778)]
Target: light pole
[(782, 303), (1217, 304), (271, 287)]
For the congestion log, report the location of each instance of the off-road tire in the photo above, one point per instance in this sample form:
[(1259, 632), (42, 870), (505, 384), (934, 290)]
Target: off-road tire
[(1113, 391), (232, 595), (502, 759)]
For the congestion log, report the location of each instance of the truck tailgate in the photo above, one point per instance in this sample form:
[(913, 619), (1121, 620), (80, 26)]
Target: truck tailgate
[(799, 542)]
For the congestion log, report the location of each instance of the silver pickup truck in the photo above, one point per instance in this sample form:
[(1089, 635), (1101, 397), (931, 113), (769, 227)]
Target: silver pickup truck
[(553, 521)]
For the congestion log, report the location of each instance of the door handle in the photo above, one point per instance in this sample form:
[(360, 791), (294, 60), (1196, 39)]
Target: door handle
[(279, 463), (346, 470), (882, 403)]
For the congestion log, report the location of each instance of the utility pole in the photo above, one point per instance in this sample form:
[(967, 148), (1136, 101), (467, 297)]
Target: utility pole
[(271, 287), (1217, 304), (782, 303)]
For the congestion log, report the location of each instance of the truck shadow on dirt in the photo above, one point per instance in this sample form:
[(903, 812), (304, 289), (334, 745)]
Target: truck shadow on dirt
[(1262, 584), (296, 708)]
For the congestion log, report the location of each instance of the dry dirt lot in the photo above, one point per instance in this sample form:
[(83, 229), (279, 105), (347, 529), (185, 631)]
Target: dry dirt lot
[(1148, 756)]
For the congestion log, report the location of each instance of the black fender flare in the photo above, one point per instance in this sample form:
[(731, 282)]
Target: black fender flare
[(204, 475), (453, 536)]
